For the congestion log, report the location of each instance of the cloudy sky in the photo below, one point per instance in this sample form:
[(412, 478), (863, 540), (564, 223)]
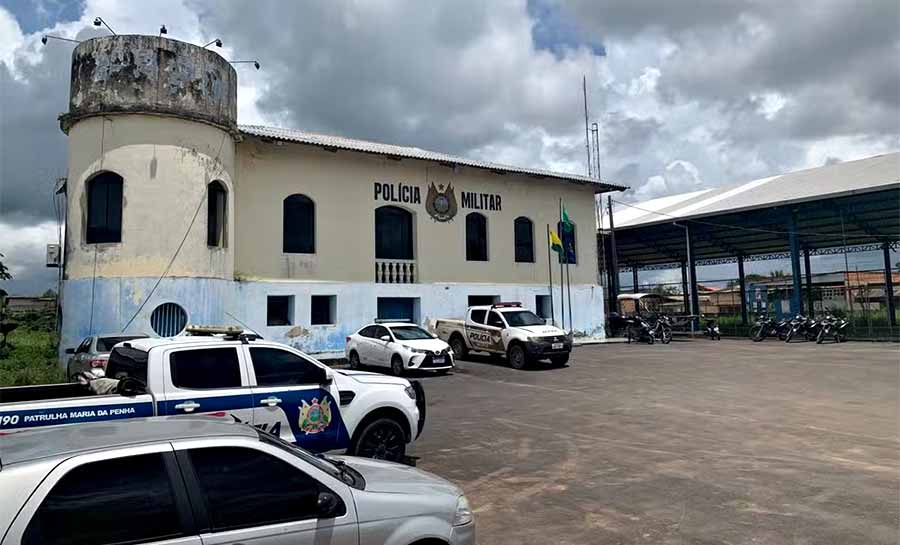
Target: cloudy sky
[(688, 94)]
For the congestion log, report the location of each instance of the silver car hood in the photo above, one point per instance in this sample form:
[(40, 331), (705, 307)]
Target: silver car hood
[(395, 490)]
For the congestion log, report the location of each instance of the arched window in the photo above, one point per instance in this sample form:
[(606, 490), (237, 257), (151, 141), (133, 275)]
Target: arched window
[(476, 237), (216, 201), (393, 233), (298, 225), (104, 208), (567, 236), (524, 235)]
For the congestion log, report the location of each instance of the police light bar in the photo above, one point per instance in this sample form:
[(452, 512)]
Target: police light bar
[(202, 330), (388, 320), (511, 304)]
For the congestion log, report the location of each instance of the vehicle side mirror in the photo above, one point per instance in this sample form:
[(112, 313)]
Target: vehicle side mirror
[(70, 350), (131, 387), (326, 379), (329, 505), (385, 338), (434, 336)]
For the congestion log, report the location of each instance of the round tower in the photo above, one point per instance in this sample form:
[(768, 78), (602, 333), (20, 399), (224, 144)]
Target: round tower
[(152, 131)]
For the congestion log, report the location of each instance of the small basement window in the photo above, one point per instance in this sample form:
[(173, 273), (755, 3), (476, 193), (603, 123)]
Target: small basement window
[(279, 309), (477, 300), (322, 309)]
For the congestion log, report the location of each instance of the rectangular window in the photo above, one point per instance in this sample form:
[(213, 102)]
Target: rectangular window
[(398, 308), (279, 310), (245, 488), (205, 368), (478, 316), (542, 306), (276, 367), (123, 500), (322, 309), (476, 300)]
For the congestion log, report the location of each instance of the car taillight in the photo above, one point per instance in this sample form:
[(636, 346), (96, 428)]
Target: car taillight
[(98, 362)]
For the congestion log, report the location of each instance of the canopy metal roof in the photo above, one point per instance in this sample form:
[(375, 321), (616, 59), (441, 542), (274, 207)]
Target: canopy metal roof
[(846, 204), (406, 152)]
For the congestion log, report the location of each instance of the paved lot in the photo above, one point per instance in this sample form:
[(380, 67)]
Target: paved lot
[(696, 442)]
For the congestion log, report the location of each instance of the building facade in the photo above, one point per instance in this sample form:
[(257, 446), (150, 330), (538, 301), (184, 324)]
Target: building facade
[(177, 215)]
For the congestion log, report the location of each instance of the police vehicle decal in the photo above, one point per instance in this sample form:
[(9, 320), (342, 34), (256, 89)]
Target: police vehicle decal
[(32, 418)]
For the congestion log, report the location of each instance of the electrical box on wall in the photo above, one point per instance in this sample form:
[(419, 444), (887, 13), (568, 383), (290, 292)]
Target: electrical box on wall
[(53, 255)]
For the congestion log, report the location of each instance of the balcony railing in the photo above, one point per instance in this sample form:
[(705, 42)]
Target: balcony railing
[(396, 271)]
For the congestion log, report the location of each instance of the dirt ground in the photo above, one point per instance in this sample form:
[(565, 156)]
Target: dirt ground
[(695, 442)]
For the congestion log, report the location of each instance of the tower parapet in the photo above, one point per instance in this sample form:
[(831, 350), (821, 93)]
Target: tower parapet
[(150, 74)]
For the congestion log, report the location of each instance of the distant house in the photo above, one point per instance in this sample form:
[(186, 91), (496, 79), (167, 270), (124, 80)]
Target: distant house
[(18, 305)]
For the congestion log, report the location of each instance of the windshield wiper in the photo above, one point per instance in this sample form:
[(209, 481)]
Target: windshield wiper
[(341, 466)]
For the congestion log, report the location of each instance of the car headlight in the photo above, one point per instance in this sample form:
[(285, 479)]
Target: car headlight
[(415, 350), (411, 392), (463, 514)]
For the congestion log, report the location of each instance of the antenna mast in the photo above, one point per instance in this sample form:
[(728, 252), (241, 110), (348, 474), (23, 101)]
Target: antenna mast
[(587, 138)]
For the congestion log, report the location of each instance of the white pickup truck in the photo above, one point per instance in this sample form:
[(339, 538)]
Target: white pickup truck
[(505, 328), (240, 378)]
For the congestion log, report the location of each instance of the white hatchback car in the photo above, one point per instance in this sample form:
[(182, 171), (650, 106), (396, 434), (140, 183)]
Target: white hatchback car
[(400, 346)]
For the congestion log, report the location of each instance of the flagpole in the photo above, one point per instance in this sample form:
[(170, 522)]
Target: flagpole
[(562, 286), (569, 281), (550, 276)]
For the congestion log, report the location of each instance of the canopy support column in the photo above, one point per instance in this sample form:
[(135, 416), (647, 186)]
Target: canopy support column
[(889, 284), (810, 308), (692, 271), (742, 286), (614, 286), (684, 288), (794, 239), (634, 278)]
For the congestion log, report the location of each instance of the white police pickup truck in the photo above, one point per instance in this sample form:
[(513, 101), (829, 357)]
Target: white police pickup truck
[(236, 377), (505, 328)]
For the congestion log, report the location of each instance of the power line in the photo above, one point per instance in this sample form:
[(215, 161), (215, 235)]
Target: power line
[(742, 228)]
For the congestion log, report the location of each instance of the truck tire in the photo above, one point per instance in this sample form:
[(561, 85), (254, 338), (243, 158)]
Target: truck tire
[(354, 360), (458, 345), (559, 360), (397, 366), (381, 439), (518, 358)]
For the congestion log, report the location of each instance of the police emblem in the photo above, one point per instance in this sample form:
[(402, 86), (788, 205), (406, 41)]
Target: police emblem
[(441, 203), (315, 416)]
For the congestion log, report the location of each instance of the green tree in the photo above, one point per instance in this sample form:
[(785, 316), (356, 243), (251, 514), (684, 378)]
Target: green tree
[(4, 272)]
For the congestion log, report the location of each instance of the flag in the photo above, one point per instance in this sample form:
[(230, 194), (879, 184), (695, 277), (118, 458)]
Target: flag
[(555, 243), (567, 223)]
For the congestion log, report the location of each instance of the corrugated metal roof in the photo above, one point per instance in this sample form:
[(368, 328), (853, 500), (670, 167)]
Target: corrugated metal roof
[(350, 144), (851, 177)]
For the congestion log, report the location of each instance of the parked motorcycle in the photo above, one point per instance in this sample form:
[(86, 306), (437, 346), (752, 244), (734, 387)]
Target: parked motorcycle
[(798, 327), (712, 330), (766, 326), (662, 329), (638, 330), (832, 328), (812, 329)]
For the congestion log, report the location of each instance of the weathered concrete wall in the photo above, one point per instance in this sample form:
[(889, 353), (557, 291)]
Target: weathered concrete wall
[(166, 164), (106, 304), (132, 73), (341, 185)]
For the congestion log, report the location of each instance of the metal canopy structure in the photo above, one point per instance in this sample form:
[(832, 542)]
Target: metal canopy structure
[(849, 206)]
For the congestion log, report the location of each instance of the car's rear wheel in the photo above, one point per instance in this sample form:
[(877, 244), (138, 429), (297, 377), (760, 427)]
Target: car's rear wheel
[(518, 359), (381, 439), (397, 366), (354, 360), (458, 345)]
